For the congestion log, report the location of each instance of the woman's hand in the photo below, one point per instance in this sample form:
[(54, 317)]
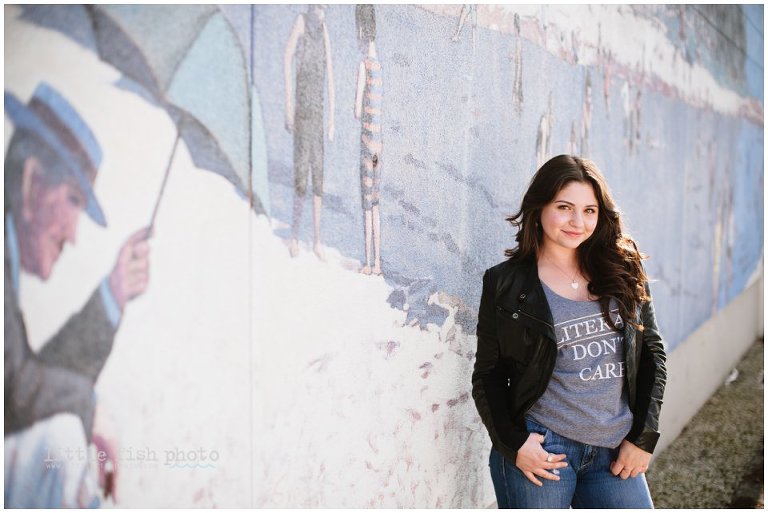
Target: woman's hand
[(631, 462), (534, 461)]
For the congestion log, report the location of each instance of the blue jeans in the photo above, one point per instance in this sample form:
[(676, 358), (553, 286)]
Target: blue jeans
[(586, 482)]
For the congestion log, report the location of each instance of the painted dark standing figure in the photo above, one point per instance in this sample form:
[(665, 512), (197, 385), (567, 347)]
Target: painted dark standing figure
[(574, 48), (636, 132), (517, 83), (605, 58), (544, 134), (586, 116), (368, 103), (572, 142), (310, 43), (607, 71), (467, 10), (636, 116), (627, 122)]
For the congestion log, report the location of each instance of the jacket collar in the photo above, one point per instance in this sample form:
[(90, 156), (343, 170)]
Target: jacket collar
[(520, 290)]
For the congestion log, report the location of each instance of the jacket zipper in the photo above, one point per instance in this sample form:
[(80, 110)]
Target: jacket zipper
[(512, 314), (537, 319)]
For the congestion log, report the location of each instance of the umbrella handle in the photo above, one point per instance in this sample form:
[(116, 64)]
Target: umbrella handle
[(162, 187)]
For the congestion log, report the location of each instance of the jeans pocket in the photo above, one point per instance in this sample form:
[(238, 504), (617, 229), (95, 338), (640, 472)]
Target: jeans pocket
[(554, 443), (553, 446), (535, 427)]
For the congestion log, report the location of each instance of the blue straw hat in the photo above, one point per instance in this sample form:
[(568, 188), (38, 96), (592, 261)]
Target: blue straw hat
[(50, 117)]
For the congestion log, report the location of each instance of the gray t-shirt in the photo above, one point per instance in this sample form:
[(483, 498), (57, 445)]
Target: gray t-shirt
[(586, 399)]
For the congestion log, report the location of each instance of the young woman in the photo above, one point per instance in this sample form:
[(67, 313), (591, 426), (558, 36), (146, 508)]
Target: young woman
[(570, 368)]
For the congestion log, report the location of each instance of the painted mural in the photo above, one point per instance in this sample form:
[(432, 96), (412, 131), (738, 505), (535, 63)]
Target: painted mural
[(244, 244)]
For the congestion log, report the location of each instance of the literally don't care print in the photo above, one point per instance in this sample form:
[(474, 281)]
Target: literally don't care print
[(589, 338)]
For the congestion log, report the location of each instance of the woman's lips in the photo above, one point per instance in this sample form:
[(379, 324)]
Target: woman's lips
[(572, 234)]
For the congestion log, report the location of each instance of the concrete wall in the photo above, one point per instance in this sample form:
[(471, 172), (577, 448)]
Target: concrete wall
[(313, 383), (701, 363)]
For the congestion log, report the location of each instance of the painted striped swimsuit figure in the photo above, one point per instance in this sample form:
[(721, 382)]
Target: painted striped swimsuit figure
[(371, 141)]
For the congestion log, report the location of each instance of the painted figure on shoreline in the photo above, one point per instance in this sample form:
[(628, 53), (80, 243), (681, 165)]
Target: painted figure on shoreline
[(467, 10), (636, 134), (631, 116), (573, 144), (586, 116), (50, 168), (310, 44), (626, 121), (517, 80), (368, 103), (607, 73), (544, 134), (605, 60)]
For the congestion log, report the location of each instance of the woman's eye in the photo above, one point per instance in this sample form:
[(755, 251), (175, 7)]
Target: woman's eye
[(76, 200), (591, 211)]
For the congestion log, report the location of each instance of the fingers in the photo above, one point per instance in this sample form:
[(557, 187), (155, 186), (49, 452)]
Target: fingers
[(532, 478), (625, 472), (546, 475), (136, 248), (619, 470), (554, 458), (136, 285), (135, 266), (534, 462), (130, 276), (137, 262), (136, 270), (543, 467), (139, 251), (555, 461), (631, 461), (543, 473)]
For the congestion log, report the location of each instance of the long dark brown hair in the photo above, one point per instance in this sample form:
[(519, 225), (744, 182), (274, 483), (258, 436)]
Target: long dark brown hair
[(609, 256)]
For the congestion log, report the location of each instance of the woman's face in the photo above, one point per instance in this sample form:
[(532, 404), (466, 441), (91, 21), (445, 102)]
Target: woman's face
[(571, 217)]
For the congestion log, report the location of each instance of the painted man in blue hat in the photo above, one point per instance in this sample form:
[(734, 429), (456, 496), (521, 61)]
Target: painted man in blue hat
[(50, 168)]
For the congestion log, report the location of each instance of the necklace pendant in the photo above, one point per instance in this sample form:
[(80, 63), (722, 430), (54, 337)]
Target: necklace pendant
[(574, 285)]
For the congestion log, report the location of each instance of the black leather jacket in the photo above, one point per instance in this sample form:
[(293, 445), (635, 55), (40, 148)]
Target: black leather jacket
[(516, 351)]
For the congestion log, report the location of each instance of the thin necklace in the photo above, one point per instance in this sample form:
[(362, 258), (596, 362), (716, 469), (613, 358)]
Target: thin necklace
[(574, 283)]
